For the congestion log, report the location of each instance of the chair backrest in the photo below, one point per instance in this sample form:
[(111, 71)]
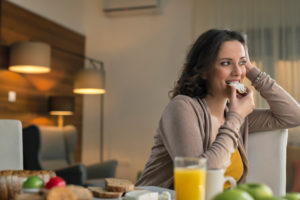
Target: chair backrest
[(267, 159), (54, 148), (11, 149)]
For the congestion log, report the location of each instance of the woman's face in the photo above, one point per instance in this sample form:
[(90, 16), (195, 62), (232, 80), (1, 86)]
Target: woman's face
[(229, 66)]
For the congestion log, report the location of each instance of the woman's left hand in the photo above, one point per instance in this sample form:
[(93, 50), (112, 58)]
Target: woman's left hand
[(248, 66)]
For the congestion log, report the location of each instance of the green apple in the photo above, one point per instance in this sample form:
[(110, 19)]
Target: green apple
[(273, 198), (292, 196), (256, 190), (33, 182), (233, 194)]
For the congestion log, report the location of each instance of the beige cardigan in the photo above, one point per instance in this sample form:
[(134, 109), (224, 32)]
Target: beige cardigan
[(185, 130)]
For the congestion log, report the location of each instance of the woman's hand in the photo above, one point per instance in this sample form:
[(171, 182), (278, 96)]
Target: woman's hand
[(248, 66), (243, 105)]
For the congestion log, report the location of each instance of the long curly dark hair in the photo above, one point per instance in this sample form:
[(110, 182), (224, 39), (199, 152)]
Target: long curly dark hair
[(201, 57)]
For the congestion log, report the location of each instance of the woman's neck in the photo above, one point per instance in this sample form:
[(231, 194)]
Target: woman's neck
[(216, 105)]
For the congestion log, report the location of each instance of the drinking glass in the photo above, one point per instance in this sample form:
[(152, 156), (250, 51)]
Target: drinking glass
[(189, 178)]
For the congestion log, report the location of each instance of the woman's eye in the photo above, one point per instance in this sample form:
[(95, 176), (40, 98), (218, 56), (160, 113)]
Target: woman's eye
[(225, 63), (243, 62)]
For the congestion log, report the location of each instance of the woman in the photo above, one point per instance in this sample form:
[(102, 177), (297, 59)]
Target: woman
[(198, 122)]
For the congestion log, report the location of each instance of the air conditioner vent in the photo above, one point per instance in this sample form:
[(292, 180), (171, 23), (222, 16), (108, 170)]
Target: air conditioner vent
[(129, 5)]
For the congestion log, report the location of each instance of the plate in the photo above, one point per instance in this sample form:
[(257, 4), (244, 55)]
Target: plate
[(150, 188)]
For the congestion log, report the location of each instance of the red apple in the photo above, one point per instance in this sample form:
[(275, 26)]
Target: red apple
[(55, 182)]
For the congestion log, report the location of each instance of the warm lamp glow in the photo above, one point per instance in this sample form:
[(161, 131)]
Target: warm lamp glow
[(29, 69), (57, 112), (61, 106), (30, 57), (89, 81), (89, 91)]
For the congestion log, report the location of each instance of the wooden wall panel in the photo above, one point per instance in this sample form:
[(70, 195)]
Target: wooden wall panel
[(18, 24)]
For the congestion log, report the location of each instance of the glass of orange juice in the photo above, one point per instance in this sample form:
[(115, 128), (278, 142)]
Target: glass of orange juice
[(189, 178)]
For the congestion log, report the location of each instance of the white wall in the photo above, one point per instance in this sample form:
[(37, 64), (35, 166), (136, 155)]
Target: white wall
[(65, 12), (143, 55)]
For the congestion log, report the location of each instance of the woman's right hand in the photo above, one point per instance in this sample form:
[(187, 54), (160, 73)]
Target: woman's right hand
[(243, 105)]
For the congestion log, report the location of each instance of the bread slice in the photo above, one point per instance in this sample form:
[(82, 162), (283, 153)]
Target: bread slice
[(240, 88), (10, 190), (3, 188), (61, 193), (118, 185), (100, 192), (26, 196), (80, 192)]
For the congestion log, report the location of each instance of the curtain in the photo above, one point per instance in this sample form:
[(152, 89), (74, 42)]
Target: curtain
[(272, 28)]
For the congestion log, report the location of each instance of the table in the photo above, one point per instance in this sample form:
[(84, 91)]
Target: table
[(150, 188)]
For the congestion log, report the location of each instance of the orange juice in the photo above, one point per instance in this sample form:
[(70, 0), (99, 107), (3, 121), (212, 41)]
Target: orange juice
[(189, 183)]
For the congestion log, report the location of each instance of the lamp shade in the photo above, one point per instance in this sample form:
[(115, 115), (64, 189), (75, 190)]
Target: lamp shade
[(61, 105), (89, 81), (30, 57)]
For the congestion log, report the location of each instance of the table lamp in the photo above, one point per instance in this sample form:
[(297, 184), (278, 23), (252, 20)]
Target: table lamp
[(61, 106)]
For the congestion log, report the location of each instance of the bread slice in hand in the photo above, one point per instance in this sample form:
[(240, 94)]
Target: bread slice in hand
[(99, 192), (118, 185), (240, 88)]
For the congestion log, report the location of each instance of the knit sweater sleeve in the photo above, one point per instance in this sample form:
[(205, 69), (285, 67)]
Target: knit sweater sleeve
[(182, 128), (284, 110)]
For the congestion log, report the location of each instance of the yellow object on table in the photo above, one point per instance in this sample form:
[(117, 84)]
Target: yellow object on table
[(190, 183)]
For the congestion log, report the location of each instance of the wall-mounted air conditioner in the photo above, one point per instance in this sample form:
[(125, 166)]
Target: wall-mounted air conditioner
[(130, 5)]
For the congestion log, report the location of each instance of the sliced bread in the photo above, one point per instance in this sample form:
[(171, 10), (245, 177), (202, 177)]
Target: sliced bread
[(118, 185), (99, 192)]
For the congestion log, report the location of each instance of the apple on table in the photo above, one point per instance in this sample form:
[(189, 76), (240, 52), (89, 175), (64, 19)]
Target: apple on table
[(257, 190), (55, 182), (233, 194), (292, 196)]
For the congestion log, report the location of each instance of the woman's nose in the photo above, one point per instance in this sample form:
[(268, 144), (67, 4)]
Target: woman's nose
[(236, 70)]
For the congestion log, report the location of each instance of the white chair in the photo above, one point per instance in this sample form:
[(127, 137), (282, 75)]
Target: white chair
[(267, 159), (11, 149)]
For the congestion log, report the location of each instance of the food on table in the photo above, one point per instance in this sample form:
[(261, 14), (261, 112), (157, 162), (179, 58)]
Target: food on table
[(81, 193), (70, 192), (55, 182), (233, 194), (99, 192), (118, 185), (114, 188), (273, 198), (33, 182), (28, 196), (256, 190), (11, 181), (165, 195), (147, 195), (141, 195), (60, 193), (292, 196)]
